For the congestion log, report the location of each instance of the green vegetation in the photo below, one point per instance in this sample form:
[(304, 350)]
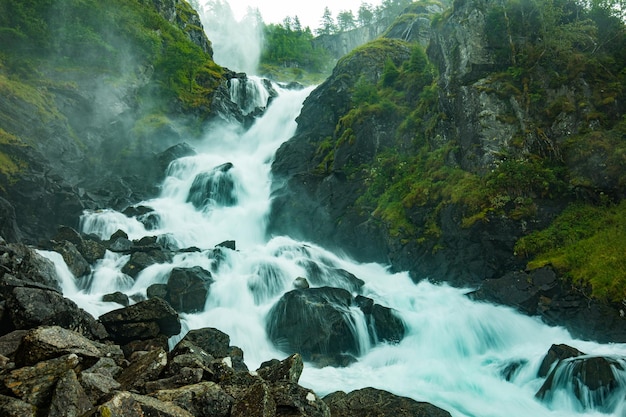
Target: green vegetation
[(542, 46), (288, 53), (42, 38), (586, 243)]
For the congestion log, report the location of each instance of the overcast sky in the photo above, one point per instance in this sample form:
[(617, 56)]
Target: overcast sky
[(308, 11)]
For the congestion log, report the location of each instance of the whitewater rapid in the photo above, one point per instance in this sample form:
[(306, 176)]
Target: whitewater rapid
[(455, 350)]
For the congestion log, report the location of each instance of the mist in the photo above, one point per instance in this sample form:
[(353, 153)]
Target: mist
[(237, 45)]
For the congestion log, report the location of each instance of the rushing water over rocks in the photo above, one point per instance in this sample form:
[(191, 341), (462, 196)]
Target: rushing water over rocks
[(356, 325)]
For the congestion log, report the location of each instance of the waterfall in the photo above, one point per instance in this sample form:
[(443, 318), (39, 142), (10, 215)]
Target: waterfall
[(249, 94), (454, 353)]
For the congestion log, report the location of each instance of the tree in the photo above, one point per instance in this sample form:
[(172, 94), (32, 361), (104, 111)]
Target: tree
[(345, 20), (327, 23), (365, 14)]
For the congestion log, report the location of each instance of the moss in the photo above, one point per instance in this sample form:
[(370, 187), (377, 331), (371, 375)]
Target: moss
[(585, 243)]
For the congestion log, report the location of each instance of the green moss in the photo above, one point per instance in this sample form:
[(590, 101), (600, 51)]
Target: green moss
[(585, 243)]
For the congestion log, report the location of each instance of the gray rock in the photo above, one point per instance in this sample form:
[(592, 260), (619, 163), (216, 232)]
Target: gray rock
[(145, 368), (32, 307), (289, 369), (69, 398), (126, 404), (13, 407), (363, 402), (49, 342), (205, 399), (35, 384), (144, 320)]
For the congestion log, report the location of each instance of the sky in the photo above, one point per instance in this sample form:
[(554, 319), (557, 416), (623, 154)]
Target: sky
[(308, 11)]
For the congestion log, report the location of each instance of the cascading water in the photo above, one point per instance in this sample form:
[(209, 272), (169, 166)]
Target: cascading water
[(455, 352)]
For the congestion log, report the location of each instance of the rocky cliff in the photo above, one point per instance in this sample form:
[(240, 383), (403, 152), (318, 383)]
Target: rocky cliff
[(445, 162), (82, 117)]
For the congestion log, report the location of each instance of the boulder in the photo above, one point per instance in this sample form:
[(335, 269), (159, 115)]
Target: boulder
[(294, 400), (47, 342), (69, 398), (213, 187), (144, 368), (35, 384), (370, 401), (32, 307), (140, 260), (144, 320), (314, 322), (187, 289), (72, 257), (257, 401), (98, 386), (205, 399), (116, 297), (556, 354), (185, 376), (26, 265), (288, 369), (14, 407), (127, 404), (383, 325), (592, 381)]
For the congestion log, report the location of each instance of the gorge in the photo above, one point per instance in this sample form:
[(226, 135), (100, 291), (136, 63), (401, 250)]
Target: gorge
[(248, 214)]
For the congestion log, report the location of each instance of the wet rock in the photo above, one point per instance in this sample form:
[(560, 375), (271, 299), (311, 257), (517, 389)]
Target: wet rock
[(555, 354), (69, 398), (205, 399), (187, 289), (140, 260), (382, 323), (126, 404), (180, 150), (289, 369), (92, 250), (144, 320), (228, 244), (313, 321), (590, 380), (361, 403), (28, 266), (213, 341), (300, 283), (8, 224), (157, 290), (32, 307), (116, 297), (214, 187)]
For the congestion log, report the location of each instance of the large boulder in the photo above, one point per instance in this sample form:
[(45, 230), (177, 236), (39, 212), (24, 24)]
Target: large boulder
[(215, 187), (321, 324), (127, 404), (144, 320), (28, 307), (205, 399), (370, 401), (187, 289), (590, 380)]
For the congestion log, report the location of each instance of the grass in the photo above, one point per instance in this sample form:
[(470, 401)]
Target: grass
[(587, 244)]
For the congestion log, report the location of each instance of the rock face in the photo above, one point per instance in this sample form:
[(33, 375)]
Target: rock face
[(322, 324), (541, 293)]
